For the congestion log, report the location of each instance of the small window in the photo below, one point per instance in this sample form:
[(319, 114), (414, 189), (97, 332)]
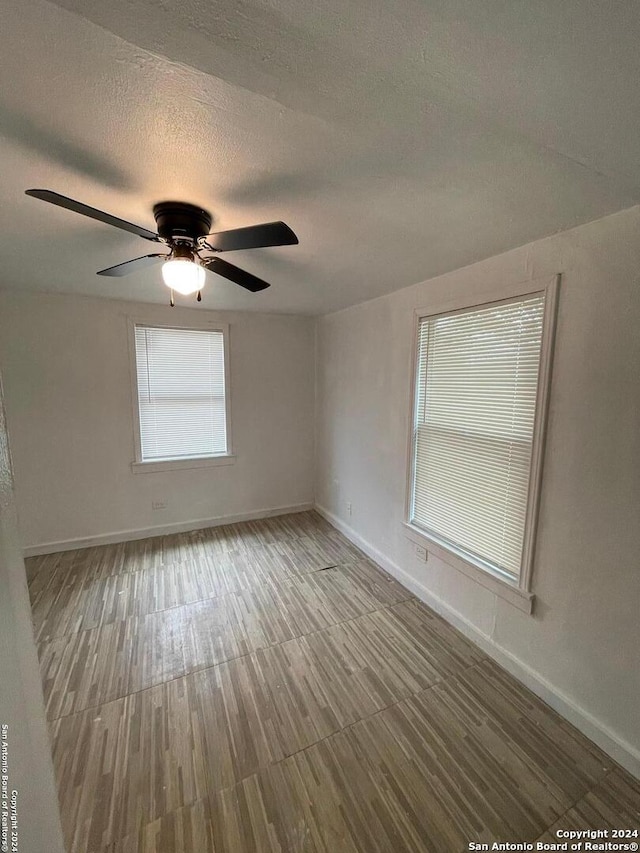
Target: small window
[(181, 385), (478, 407)]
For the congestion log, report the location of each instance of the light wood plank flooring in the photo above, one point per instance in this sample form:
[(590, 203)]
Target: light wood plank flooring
[(264, 687)]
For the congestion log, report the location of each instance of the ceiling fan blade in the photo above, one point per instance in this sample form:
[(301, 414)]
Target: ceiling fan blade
[(93, 213), (235, 274), (132, 266), (253, 237)]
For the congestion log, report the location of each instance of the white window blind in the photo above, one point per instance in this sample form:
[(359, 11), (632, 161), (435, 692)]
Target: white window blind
[(181, 393), (476, 391)]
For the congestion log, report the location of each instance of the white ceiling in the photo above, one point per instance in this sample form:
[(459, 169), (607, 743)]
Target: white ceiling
[(398, 138)]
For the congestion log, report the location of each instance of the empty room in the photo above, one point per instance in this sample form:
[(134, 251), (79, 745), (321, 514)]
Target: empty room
[(319, 426)]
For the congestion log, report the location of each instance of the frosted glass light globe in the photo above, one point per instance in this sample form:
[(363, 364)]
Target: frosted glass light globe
[(183, 275)]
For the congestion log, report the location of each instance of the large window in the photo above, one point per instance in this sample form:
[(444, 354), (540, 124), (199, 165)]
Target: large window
[(181, 393), (477, 429)]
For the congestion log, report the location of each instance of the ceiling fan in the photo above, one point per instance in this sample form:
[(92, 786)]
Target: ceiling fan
[(184, 229)]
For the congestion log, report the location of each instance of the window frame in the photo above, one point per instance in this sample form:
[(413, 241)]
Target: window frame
[(139, 465), (517, 591)]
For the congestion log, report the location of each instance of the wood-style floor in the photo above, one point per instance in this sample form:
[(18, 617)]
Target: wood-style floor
[(265, 687)]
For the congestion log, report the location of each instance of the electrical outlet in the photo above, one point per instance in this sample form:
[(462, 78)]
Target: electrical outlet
[(158, 504), (348, 508), (421, 553)]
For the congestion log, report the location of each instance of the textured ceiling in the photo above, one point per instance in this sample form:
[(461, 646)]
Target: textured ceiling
[(399, 138)]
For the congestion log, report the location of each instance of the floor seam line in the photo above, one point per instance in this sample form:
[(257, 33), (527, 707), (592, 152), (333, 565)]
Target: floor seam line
[(222, 663), (177, 607), (294, 579), (179, 562), (575, 803), (163, 565)]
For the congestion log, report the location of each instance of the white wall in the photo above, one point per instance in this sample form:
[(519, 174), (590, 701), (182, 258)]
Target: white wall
[(580, 647), (65, 363), (21, 705)]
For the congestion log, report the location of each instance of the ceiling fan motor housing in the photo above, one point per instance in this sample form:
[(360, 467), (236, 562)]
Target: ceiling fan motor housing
[(176, 220)]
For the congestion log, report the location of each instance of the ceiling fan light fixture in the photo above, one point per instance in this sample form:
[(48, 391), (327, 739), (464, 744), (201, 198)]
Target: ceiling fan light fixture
[(183, 275), (183, 229)]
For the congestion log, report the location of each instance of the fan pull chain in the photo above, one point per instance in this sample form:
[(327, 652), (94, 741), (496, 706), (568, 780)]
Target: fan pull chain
[(199, 296), (171, 301)]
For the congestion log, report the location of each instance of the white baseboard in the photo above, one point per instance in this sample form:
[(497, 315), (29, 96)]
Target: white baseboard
[(620, 750), (160, 530)]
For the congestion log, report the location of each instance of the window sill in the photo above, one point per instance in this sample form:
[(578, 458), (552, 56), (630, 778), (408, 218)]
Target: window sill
[(180, 464), (510, 592)]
